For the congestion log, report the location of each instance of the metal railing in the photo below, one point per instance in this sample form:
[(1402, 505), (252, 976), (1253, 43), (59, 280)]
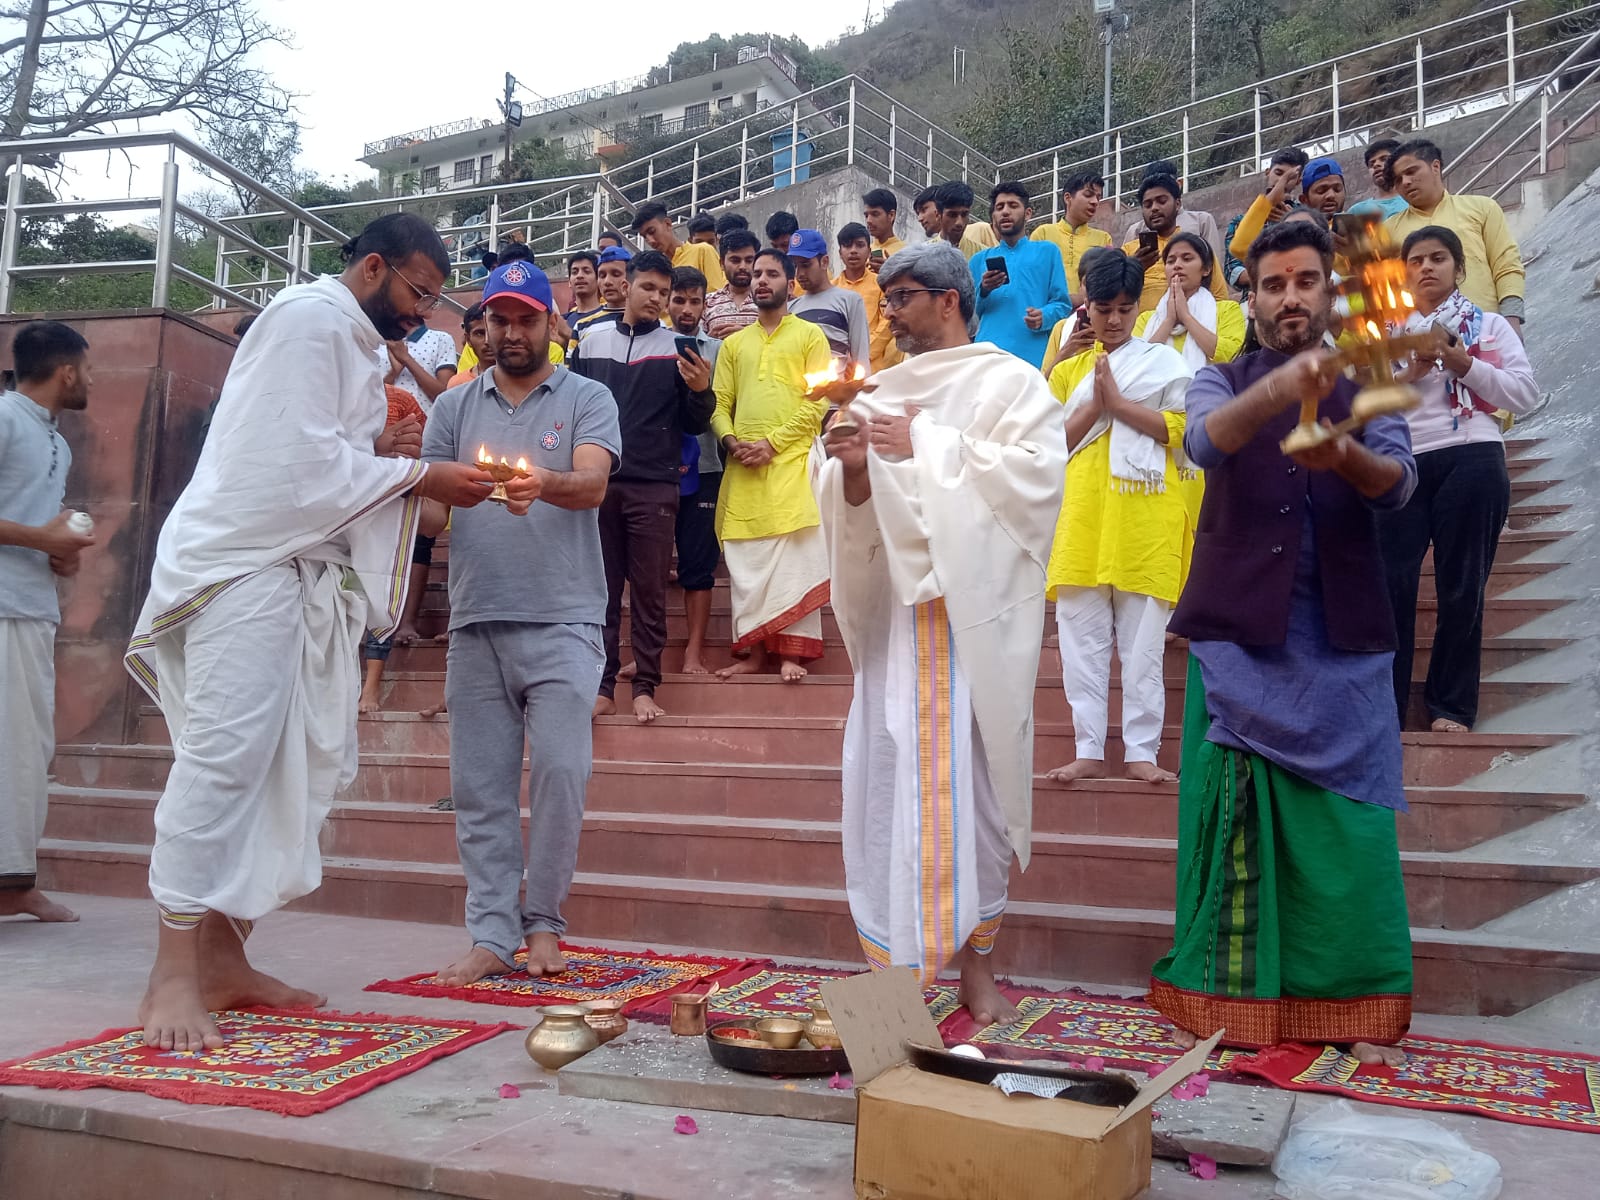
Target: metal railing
[(1539, 71), (1491, 59), (287, 263)]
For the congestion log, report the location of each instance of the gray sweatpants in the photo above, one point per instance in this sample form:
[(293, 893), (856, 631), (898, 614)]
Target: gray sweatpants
[(504, 680)]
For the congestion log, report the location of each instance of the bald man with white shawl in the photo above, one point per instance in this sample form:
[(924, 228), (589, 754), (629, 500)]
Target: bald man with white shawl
[(938, 583)]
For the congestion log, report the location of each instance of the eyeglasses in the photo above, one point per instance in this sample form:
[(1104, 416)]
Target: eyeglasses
[(426, 301), (901, 297)]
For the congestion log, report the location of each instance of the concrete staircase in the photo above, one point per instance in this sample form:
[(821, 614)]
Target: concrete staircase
[(717, 827)]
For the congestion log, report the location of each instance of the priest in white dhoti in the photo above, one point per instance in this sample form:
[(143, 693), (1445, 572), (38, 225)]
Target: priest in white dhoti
[(292, 538), (938, 498)]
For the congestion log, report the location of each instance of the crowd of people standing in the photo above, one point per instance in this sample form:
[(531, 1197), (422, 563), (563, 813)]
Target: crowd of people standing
[(1116, 404)]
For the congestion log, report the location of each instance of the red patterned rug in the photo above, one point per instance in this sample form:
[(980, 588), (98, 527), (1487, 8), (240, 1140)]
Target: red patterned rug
[(1529, 1087), (769, 990), (592, 974), (296, 1063)]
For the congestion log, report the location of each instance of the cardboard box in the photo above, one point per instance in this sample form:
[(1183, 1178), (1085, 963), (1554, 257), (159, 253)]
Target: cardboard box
[(923, 1136)]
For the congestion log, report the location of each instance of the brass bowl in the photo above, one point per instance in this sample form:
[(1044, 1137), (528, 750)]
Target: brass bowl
[(562, 1037), (606, 1019), (781, 1033)]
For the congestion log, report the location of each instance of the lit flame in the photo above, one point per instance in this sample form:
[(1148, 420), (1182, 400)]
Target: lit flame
[(833, 374), (1407, 299), (1372, 328), (522, 464), (483, 455)]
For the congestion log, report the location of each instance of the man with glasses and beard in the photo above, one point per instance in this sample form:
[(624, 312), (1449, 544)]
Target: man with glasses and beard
[(292, 538), (936, 504), (1291, 773), (527, 611)]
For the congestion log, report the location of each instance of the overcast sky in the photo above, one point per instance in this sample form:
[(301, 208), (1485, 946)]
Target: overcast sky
[(365, 71)]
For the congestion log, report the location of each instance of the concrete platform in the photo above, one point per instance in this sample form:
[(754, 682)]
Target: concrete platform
[(443, 1131)]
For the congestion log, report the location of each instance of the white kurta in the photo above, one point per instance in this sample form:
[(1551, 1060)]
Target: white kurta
[(291, 537), (938, 583)]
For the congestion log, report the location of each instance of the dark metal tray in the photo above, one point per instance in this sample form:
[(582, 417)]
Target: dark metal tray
[(1086, 1087), (760, 1059)]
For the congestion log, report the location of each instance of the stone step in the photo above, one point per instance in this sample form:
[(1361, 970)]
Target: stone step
[(1499, 652), (1067, 868), (829, 695), (1431, 759), (1531, 516), (1456, 972), (1440, 820)]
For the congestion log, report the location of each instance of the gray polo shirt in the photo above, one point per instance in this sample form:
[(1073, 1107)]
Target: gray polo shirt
[(544, 567), (34, 461)]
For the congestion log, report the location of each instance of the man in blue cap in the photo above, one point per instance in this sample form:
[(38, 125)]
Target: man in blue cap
[(1322, 186), (839, 312), (612, 271), (527, 607)]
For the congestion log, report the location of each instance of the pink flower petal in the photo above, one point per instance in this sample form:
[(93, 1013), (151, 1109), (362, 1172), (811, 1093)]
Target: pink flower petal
[(1182, 1092), (1154, 1069), (1094, 1063), (1155, 1114), (841, 1083), (1202, 1167), (509, 1091), (687, 1125), (1201, 1083)]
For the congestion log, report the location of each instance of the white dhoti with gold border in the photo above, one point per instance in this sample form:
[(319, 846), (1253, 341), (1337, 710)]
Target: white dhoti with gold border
[(926, 854)]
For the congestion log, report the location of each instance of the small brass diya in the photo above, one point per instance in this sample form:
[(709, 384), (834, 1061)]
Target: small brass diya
[(838, 389), (503, 473)]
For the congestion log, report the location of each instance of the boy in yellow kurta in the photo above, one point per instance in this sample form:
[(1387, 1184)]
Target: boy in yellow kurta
[(766, 513), (1115, 568)]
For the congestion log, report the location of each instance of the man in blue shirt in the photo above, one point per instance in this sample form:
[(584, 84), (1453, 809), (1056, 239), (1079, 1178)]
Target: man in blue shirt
[(1022, 286)]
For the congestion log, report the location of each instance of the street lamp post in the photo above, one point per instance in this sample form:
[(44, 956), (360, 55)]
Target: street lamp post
[(1107, 10)]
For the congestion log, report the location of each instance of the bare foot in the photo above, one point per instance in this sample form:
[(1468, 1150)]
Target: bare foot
[(434, 710), (629, 671), (604, 706), (743, 666), (1185, 1039), (369, 702), (1147, 772), (790, 671), (175, 1017), (32, 902), (693, 664), (544, 955), (1078, 768), (478, 963), (227, 980), (1446, 725), (981, 994), (645, 709), (1376, 1056)]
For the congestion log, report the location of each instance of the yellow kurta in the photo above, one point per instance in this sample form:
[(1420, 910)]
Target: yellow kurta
[(760, 386), (1130, 540), (979, 235), (1073, 244), (1155, 276), (889, 245), (1494, 263), (704, 259), (881, 347)]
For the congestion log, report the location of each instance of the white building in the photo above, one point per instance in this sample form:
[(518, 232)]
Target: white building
[(469, 152)]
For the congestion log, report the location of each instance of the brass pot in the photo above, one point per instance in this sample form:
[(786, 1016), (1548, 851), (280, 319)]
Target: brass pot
[(562, 1037), (689, 1014), (820, 1031), (606, 1019)]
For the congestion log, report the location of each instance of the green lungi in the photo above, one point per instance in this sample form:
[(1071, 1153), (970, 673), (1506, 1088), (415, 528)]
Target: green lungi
[(1291, 921)]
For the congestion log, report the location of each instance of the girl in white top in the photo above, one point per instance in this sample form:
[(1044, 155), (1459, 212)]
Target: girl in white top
[(1475, 367)]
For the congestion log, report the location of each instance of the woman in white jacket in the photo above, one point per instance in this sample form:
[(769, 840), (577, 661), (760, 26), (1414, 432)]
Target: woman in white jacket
[(1476, 366)]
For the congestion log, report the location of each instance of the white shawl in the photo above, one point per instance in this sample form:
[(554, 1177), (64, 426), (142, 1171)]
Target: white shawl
[(1202, 312), (969, 517), (288, 470), (1156, 377)]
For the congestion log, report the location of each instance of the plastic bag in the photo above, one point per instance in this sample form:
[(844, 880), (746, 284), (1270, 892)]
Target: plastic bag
[(1340, 1154)]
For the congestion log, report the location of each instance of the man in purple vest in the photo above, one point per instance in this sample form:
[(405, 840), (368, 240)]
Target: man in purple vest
[(1291, 917)]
